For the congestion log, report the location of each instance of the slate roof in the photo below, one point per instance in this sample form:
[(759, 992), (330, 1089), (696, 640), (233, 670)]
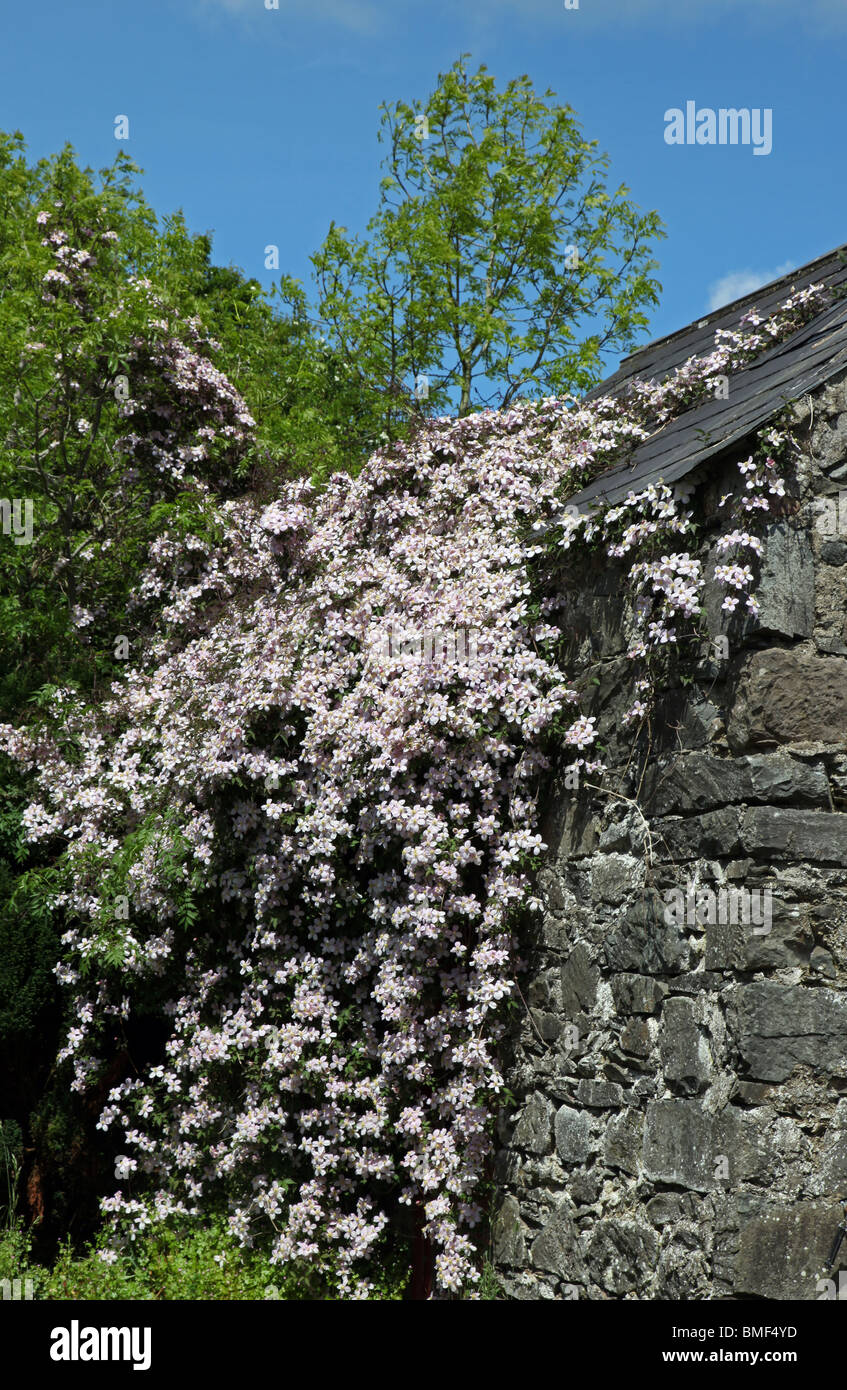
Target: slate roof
[(810, 357)]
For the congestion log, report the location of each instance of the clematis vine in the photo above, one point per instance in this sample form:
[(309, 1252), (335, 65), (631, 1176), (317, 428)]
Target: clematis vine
[(315, 861)]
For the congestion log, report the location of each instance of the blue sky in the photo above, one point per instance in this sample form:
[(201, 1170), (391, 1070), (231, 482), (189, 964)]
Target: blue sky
[(261, 124)]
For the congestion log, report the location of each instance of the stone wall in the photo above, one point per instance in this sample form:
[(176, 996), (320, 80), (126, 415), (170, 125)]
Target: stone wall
[(680, 1120)]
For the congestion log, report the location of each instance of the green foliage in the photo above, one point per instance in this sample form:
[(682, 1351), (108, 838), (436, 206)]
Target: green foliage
[(172, 1263), (64, 343), (464, 281), (29, 942), (11, 1154), (499, 264), (489, 1284)]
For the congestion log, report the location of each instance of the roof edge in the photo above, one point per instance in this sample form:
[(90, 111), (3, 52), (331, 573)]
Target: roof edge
[(806, 271)]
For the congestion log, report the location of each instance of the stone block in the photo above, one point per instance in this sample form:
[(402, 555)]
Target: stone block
[(686, 1145), (621, 1255), (614, 876), (818, 837), (534, 1129), (573, 1135), (645, 943), (784, 1026), (686, 1059), (622, 1142), (599, 1095), (509, 1235), (637, 994), (786, 589), (781, 1253), (579, 979), (557, 1248), (712, 835), (790, 697)]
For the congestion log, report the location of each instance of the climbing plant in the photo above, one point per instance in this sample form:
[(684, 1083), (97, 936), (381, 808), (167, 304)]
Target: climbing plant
[(311, 852)]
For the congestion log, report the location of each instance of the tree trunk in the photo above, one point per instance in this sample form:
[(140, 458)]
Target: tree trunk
[(423, 1262)]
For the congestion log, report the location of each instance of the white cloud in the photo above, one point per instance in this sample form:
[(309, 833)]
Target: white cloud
[(740, 282)]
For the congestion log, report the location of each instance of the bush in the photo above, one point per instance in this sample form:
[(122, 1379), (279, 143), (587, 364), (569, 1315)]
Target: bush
[(173, 1264)]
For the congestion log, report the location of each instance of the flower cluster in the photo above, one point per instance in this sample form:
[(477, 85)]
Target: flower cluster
[(183, 411), (326, 853), (762, 482), (735, 348)]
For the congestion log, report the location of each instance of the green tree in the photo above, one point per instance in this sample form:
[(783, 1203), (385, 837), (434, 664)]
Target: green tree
[(128, 364), (117, 417), (498, 265)]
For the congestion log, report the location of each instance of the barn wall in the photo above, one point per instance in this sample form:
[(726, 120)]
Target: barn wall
[(680, 1118)]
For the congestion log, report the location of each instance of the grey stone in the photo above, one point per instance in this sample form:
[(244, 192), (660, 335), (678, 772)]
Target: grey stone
[(679, 1145), (701, 782), (713, 833), (695, 782), (645, 942), (622, 1142), (781, 1254), (548, 1025), (753, 1092), (617, 835), (614, 876), (579, 980), (637, 994), (556, 1248), (573, 1134), (635, 1037), (695, 721), (821, 961), (818, 837), (741, 945), (833, 1167), (686, 1145), (573, 831), (684, 1270), (584, 1188), (783, 1026), (666, 1207), (621, 1255), (697, 982), (686, 1059), (534, 1129), (834, 553), (550, 885), (543, 990), (508, 1234), (787, 582), (790, 697), (778, 777), (599, 1095)]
